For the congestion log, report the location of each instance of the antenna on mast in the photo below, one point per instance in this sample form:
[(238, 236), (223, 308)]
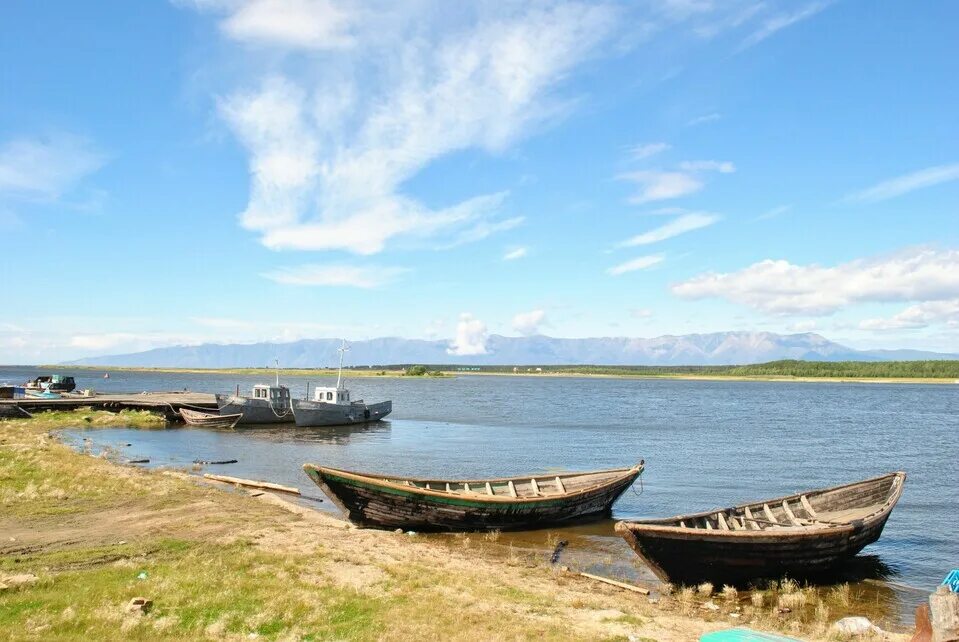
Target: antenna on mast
[(339, 376)]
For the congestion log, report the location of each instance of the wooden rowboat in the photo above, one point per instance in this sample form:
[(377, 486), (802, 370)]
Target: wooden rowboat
[(209, 419), (513, 503), (800, 535)]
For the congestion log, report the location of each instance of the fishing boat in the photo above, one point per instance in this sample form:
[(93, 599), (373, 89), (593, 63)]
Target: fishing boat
[(266, 404), (331, 406), (52, 383), (800, 535), (511, 503), (209, 419)]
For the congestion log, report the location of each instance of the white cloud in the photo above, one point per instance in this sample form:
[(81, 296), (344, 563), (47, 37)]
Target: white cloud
[(375, 97), (482, 229), (516, 253), (641, 313), (528, 323), (806, 325), (309, 24), (639, 263), (780, 21), (774, 212), (920, 315), (723, 167), (46, 167), (906, 183), (680, 225), (336, 275), (660, 186), (646, 150), (471, 335), (705, 118), (780, 287)]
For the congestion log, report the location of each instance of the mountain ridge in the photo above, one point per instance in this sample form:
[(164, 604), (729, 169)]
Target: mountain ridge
[(716, 348)]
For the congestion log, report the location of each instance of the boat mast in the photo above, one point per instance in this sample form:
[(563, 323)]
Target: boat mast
[(339, 375), (276, 366)]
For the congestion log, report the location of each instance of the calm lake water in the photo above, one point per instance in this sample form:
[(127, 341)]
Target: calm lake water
[(707, 444)]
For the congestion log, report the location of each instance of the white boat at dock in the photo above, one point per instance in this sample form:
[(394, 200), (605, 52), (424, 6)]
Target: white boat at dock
[(332, 406)]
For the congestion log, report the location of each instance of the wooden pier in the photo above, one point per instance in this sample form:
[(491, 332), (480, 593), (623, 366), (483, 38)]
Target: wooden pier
[(168, 403)]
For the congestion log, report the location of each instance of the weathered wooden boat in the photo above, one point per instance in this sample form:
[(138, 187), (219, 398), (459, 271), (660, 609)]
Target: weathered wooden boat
[(800, 535), (208, 419), (331, 406), (512, 503)]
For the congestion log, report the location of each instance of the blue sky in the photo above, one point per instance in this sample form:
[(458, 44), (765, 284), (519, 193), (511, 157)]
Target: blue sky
[(242, 170)]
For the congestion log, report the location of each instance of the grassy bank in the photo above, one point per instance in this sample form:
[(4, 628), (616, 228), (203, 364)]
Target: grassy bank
[(89, 535), (790, 370)]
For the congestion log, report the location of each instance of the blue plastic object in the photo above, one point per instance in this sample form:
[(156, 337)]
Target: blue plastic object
[(744, 635), (952, 581)]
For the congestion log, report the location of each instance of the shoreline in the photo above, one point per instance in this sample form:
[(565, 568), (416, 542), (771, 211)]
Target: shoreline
[(93, 534), (382, 373)]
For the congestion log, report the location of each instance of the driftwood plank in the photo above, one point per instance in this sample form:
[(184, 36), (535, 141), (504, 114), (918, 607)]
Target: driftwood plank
[(622, 585), (252, 483)]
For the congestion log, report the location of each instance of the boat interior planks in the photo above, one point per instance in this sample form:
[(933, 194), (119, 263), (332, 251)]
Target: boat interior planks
[(799, 535), (386, 501)]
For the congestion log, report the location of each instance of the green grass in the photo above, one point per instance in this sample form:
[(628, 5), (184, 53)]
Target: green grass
[(196, 590)]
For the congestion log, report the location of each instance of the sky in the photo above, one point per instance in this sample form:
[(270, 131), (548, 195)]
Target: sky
[(248, 170)]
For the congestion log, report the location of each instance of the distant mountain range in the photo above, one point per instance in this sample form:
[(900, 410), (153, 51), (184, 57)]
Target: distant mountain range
[(718, 348)]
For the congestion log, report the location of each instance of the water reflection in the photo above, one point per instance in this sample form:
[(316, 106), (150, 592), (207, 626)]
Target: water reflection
[(334, 435)]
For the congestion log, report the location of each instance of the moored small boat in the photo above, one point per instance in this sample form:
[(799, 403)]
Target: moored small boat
[(512, 503), (332, 406), (209, 419), (266, 405), (800, 535)]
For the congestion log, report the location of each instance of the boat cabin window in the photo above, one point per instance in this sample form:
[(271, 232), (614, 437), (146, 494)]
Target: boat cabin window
[(329, 396)]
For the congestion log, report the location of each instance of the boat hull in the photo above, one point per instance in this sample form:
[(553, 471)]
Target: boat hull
[(737, 561), (368, 504), (800, 536), (314, 413), (208, 420), (254, 411)]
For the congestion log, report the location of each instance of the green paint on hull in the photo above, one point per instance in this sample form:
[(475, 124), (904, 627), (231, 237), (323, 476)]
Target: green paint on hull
[(455, 501)]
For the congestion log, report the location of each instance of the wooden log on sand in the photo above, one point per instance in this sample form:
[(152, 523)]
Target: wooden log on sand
[(252, 483), (622, 585)]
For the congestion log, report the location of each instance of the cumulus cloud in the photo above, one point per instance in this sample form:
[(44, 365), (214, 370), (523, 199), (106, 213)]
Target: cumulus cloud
[(907, 183), (639, 263), (528, 323), (48, 166), (471, 335), (680, 225), (308, 24), (336, 275), (374, 97), (780, 287), (920, 315), (515, 253)]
